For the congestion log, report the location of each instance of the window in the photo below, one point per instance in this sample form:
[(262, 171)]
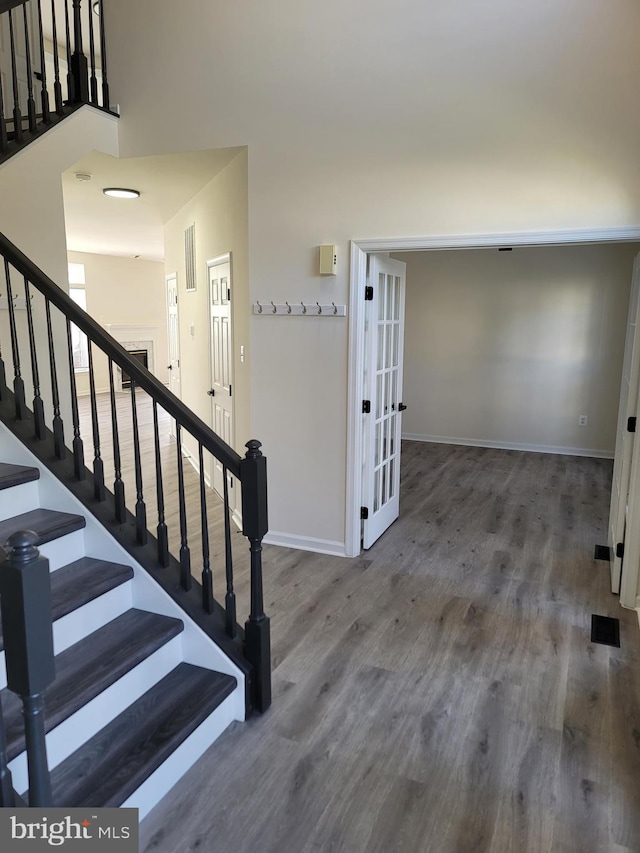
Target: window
[(79, 342)]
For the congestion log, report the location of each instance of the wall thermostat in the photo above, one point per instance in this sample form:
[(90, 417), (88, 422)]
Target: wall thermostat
[(328, 260)]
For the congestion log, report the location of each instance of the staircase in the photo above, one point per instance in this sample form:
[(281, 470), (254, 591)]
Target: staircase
[(150, 665), (136, 698)]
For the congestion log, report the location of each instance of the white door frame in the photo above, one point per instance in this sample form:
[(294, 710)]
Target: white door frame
[(357, 283)]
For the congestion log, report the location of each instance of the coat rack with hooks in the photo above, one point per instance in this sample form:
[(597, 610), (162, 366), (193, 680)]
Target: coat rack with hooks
[(299, 309)]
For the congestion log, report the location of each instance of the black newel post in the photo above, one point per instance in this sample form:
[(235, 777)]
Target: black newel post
[(79, 64), (253, 472), (6, 783), (25, 604)]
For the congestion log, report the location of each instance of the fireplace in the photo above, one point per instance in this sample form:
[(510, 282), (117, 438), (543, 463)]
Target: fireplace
[(141, 355)]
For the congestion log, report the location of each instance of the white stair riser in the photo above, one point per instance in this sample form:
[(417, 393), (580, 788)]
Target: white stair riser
[(165, 777), (19, 499), (94, 615), (85, 723), (64, 550)]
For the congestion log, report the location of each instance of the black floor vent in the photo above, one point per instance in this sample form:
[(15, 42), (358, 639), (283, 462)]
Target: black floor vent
[(603, 552), (605, 630)]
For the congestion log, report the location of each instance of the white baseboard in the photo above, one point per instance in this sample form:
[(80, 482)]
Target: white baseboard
[(507, 445), (305, 543)]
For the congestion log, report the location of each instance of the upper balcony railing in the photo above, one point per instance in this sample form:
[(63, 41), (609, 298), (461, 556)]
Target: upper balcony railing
[(52, 60)]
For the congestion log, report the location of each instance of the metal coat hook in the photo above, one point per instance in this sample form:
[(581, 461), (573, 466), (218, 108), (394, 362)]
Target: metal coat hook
[(319, 308), (335, 309), (304, 308), (288, 307), (275, 310), (259, 307)]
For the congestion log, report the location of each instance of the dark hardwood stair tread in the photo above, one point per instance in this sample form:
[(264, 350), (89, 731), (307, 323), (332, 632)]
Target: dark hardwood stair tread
[(15, 475), (107, 769), (49, 524), (82, 581), (87, 668)]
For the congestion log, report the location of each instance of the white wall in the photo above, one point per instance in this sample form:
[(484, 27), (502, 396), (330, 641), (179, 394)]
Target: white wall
[(128, 292), (32, 217), (368, 119), (219, 212), (509, 348)]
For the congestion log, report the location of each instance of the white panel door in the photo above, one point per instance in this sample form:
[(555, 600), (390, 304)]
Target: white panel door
[(173, 334), (221, 365), (625, 440), (382, 424)]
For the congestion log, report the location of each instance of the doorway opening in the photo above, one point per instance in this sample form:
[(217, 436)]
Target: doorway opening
[(358, 344)]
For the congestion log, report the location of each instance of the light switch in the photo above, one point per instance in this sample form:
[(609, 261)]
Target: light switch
[(192, 330)]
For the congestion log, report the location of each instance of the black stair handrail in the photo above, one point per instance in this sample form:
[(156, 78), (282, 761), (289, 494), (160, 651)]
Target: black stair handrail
[(142, 377), (250, 470)]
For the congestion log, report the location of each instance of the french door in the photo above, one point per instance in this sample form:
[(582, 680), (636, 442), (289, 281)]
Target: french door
[(624, 549), (382, 406)]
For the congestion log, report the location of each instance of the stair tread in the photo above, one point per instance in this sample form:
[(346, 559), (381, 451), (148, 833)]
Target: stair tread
[(80, 582), (49, 524), (87, 668), (15, 475), (107, 769)]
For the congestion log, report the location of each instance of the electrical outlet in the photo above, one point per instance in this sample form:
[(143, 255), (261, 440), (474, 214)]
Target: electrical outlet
[(582, 420)]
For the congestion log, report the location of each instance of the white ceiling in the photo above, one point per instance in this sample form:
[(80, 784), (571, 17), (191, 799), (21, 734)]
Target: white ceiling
[(101, 225)]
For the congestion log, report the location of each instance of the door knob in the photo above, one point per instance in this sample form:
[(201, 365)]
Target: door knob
[(401, 407), (169, 367), (211, 392)]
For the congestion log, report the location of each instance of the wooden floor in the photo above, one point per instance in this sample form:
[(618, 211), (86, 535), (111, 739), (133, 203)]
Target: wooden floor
[(440, 693), (168, 456)]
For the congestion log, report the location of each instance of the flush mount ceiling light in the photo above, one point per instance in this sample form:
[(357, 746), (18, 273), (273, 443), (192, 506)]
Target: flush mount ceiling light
[(120, 192)]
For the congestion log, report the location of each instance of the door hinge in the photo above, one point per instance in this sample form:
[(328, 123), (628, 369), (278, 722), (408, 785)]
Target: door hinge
[(368, 293), (228, 294), (366, 407), (230, 392), (631, 424), (230, 482), (364, 512), (620, 550)]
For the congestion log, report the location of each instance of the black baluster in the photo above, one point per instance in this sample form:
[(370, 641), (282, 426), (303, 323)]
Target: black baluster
[(79, 67), (31, 104), (99, 491), (71, 86), (38, 405), (185, 554), (7, 799), (77, 445), (18, 382), (25, 603), (57, 86), (93, 81), (207, 577), (4, 139), (58, 426), (103, 59), (230, 597), (3, 378), (253, 472), (44, 92), (141, 510), (118, 485), (163, 541), (17, 115)]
